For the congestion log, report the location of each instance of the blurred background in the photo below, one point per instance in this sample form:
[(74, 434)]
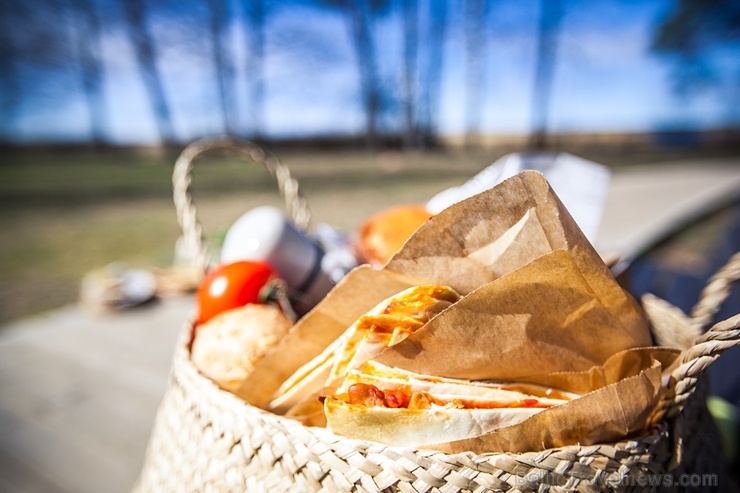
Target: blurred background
[(98, 96), (370, 103), (153, 72)]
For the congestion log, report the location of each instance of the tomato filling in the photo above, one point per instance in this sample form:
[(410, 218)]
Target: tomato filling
[(371, 396)]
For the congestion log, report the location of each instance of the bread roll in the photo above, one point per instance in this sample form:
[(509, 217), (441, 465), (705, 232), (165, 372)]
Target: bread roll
[(227, 347)]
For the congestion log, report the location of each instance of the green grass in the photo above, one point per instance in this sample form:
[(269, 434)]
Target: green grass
[(65, 212)]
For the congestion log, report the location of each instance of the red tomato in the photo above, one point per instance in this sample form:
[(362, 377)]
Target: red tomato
[(230, 286)]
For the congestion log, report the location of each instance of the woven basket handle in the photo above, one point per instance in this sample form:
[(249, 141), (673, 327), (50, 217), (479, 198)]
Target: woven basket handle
[(715, 292), (708, 347), (192, 238)]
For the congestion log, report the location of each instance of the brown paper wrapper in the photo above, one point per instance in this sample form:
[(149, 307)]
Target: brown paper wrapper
[(491, 234), (623, 393), (557, 313), (538, 302)]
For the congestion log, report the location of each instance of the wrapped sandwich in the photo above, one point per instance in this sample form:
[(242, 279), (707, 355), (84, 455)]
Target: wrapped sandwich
[(387, 324), (488, 371), (397, 407), (459, 342)]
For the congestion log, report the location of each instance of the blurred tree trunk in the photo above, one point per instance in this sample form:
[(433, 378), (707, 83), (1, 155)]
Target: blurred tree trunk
[(11, 89), (255, 11), (360, 23), (87, 24), (551, 12), (476, 51), (359, 15), (147, 60), (431, 76), (410, 60), (222, 65), (34, 58)]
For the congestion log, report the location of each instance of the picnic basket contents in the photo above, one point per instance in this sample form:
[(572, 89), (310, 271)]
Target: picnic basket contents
[(493, 351)]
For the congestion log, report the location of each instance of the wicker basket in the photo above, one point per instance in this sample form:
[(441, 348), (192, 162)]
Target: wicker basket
[(206, 439)]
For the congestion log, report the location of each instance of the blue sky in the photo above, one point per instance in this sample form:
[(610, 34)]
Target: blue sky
[(605, 80)]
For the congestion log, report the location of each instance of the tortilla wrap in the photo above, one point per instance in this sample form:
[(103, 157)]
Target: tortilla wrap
[(388, 323), (384, 376), (435, 410)]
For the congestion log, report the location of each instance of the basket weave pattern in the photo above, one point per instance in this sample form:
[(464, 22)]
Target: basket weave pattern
[(207, 439)]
